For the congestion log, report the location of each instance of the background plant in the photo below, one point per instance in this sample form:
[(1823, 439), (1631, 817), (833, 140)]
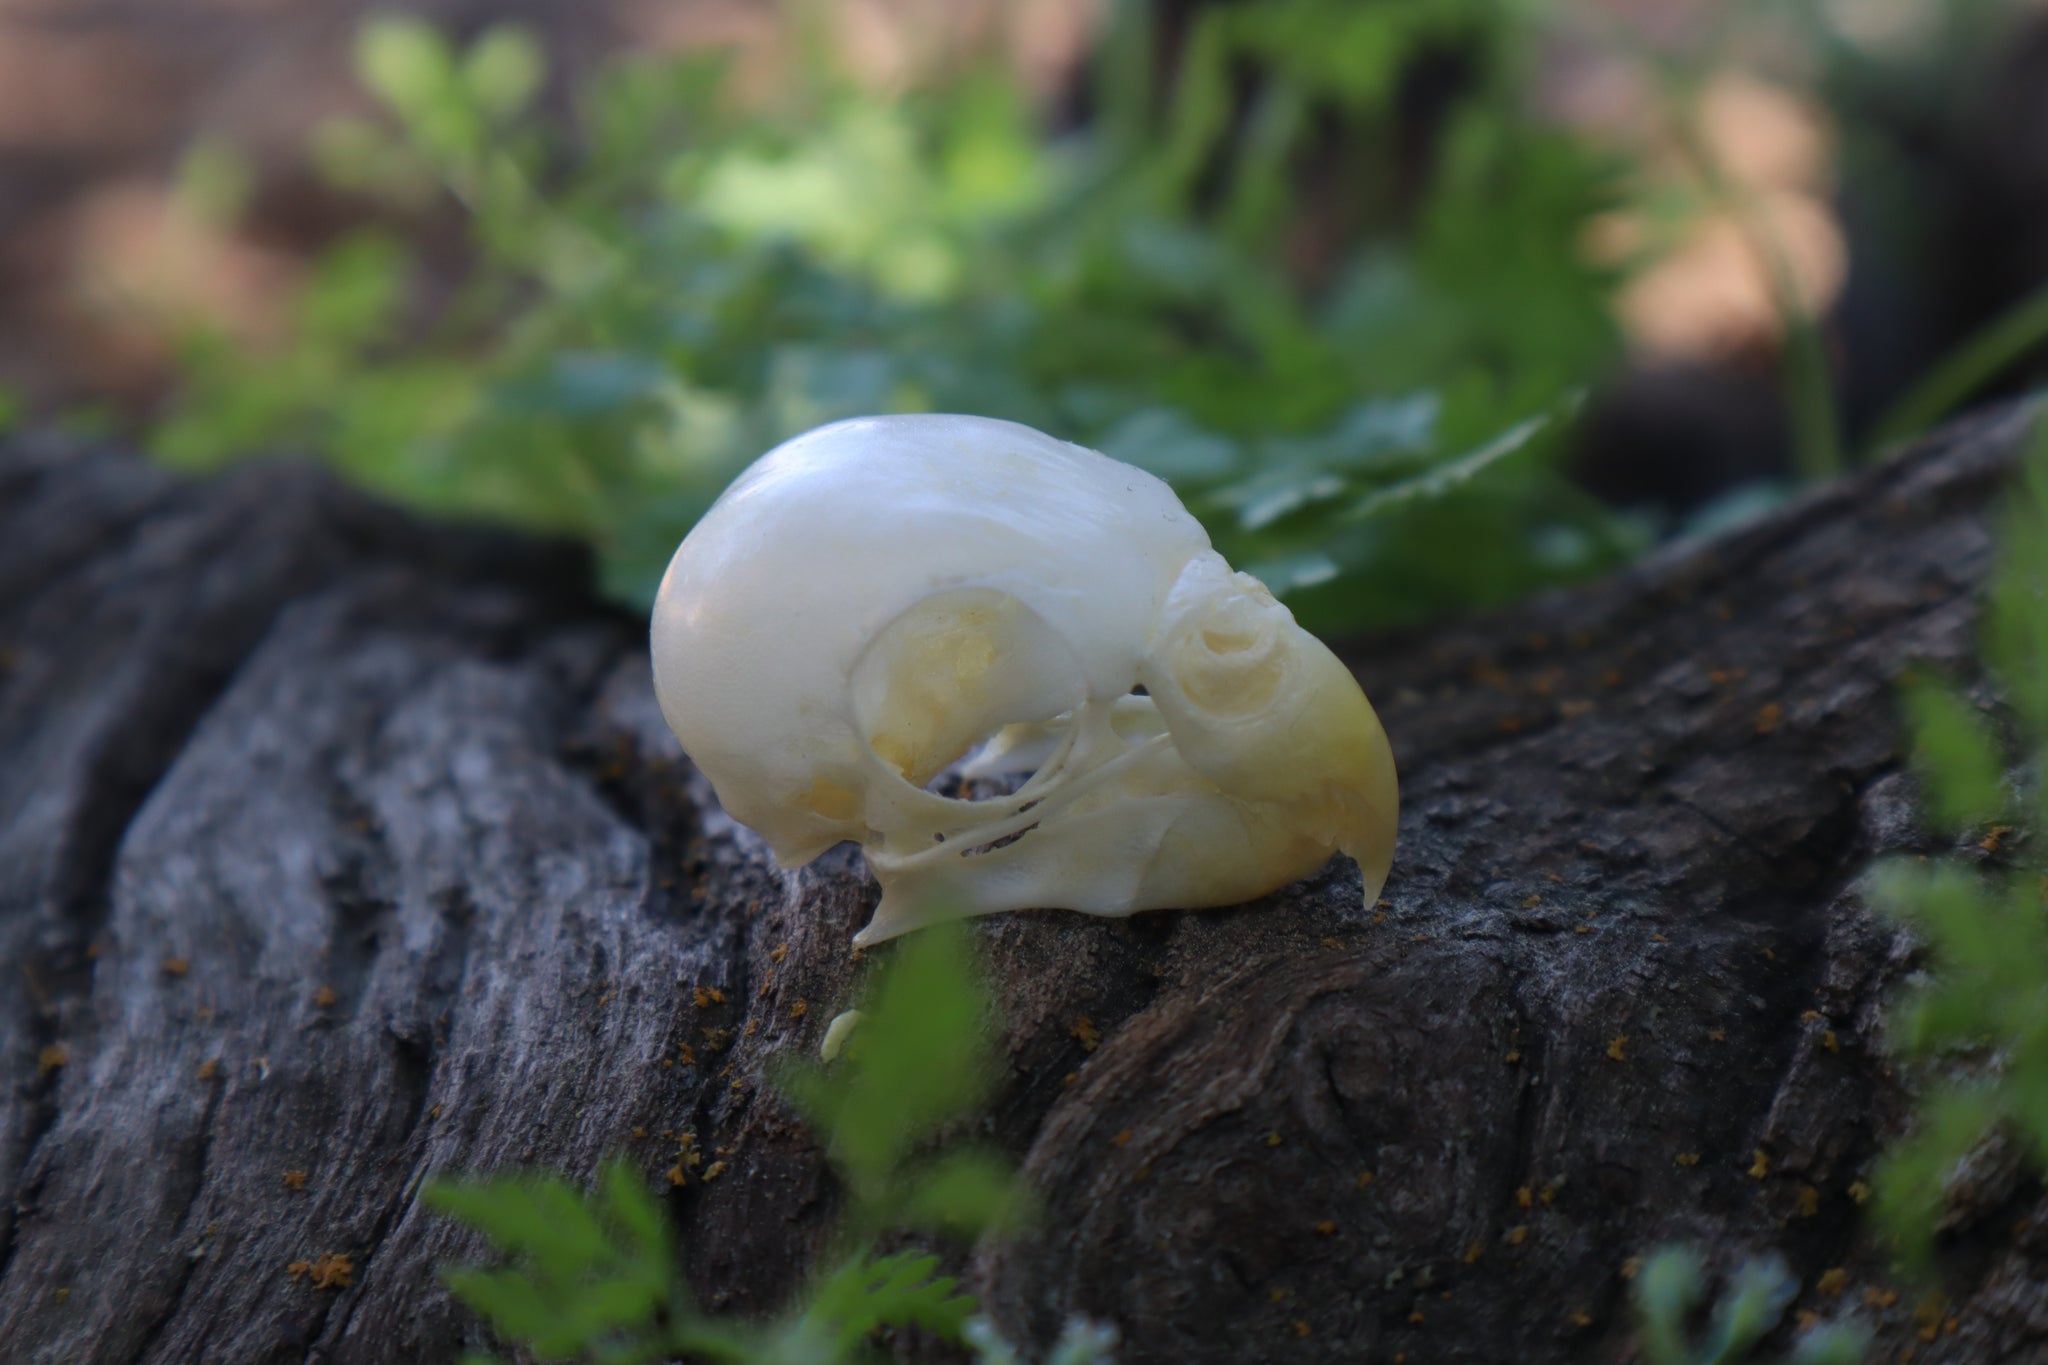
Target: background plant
[(670, 284), (1671, 1291), (1978, 1022), (596, 1276)]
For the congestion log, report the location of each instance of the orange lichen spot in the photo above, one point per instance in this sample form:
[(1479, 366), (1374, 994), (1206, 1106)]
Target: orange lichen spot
[(713, 1171), (324, 998), (1364, 1179), (1768, 717), (1512, 1058), (1415, 1319), (1770, 955), (1525, 1198), (1474, 1252), (1383, 904), (1070, 1078), (1582, 928), (1510, 725), (1688, 1158), (639, 1132), (1617, 1048), (753, 1025), (1994, 838), (1277, 1296), (1717, 1035), (1421, 938), (1516, 1235), (209, 1068), (1332, 943), (1761, 1166), (1950, 1324), (1301, 1327), (1632, 1267), (1721, 677), (799, 1009), (1832, 1282), (1273, 1139), (707, 996), (1808, 1320), (295, 1180), (1549, 1191), (778, 952), (1580, 1318), (677, 1176), (1829, 1041), (607, 998), (1880, 1298), (1859, 1192), (1380, 917), (331, 1270), (686, 1054), (1085, 1032), (1531, 902), (176, 966), (50, 1059), (1812, 1017), (1808, 1201), (61, 1293), (1487, 673), (1659, 938), (1121, 1138), (1328, 1227)]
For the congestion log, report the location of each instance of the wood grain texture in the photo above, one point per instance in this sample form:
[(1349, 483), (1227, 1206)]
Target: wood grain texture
[(336, 843)]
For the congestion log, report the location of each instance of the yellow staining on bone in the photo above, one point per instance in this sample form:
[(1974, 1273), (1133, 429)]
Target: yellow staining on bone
[(831, 800)]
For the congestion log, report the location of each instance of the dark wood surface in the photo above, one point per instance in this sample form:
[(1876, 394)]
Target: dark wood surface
[(336, 843)]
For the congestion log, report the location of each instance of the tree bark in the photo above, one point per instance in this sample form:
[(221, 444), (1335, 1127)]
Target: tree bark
[(338, 849)]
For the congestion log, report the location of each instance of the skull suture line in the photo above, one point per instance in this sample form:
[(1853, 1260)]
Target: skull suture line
[(875, 601)]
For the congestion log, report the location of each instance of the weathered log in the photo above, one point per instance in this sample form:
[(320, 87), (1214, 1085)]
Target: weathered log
[(338, 849)]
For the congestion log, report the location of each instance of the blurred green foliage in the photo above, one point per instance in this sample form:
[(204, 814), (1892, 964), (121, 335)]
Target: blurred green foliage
[(595, 1276), (662, 284), (1978, 1025), (1671, 1289)]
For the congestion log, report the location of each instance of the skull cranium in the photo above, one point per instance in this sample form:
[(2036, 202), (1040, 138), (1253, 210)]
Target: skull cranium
[(885, 600)]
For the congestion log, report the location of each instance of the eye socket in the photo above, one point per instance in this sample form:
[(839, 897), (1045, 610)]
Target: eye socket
[(952, 672)]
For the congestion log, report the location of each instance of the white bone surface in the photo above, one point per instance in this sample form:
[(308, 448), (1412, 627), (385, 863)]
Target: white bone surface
[(878, 600)]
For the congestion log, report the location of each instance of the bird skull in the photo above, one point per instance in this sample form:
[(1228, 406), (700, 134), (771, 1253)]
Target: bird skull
[(889, 599)]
